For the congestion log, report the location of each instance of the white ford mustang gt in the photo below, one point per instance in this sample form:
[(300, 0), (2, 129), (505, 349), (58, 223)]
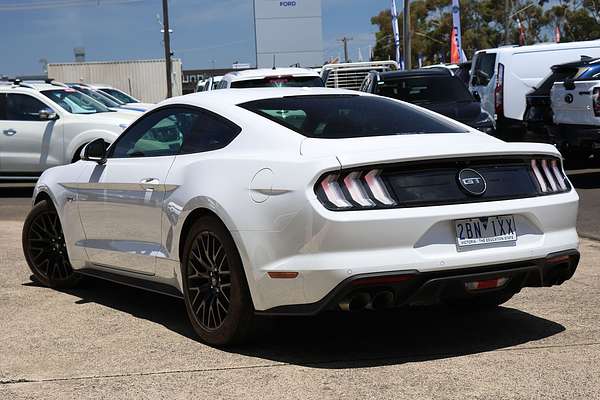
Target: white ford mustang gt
[(298, 201)]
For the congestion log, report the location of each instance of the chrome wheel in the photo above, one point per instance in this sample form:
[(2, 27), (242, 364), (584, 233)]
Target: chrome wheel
[(209, 281), (46, 248)]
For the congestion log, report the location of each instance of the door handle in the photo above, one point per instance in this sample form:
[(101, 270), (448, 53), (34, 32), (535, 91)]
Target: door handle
[(149, 183), (9, 132)]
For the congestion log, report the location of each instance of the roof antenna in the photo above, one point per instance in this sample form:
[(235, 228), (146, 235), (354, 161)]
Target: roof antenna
[(274, 61)]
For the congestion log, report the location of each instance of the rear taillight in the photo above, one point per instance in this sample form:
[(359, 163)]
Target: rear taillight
[(549, 175), (357, 189), (596, 101), (499, 92)]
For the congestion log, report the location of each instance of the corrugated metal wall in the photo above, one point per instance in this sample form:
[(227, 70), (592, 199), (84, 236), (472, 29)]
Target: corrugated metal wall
[(143, 79)]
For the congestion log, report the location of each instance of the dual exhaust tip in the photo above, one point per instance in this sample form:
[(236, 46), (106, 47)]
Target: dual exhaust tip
[(363, 300)]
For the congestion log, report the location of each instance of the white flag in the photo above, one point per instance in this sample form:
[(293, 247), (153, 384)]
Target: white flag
[(395, 30)]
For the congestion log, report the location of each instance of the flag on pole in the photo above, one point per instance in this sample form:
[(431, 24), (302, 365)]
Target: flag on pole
[(396, 31), (521, 32), (557, 34), (456, 51)]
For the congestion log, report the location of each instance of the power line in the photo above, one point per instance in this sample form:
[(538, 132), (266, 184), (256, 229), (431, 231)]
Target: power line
[(45, 5)]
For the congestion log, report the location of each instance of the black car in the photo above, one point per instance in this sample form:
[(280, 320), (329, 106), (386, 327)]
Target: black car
[(436, 89)]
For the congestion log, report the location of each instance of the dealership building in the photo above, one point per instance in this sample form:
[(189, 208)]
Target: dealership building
[(289, 30)]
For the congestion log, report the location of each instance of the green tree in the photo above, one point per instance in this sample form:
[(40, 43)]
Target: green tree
[(483, 25)]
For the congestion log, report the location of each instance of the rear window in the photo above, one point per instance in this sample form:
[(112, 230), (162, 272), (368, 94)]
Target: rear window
[(485, 64), (422, 90), (348, 116), (280, 81)]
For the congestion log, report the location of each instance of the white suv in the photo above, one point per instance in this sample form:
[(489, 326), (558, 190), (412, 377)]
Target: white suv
[(271, 77), (44, 125)]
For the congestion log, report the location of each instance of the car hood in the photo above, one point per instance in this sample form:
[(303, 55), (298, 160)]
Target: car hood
[(138, 106), (463, 112), (116, 118), (399, 148)]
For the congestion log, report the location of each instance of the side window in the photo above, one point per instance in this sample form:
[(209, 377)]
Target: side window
[(158, 134), (2, 106), (173, 131), (22, 107), (208, 132)]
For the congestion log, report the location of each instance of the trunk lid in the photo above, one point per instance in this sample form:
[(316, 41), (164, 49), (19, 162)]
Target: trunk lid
[(574, 106), (400, 148)]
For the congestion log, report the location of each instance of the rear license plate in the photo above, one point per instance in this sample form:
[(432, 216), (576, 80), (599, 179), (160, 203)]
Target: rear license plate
[(485, 230)]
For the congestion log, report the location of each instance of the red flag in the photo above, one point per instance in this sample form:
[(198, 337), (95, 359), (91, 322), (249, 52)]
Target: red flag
[(454, 54), (521, 32), (557, 34)]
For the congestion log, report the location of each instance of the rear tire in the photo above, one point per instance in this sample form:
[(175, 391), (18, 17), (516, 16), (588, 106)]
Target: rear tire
[(45, 249), (481, 301), (215, 290)]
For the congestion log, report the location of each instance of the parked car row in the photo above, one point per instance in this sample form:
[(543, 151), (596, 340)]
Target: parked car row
[(43, 125), (544, 92)]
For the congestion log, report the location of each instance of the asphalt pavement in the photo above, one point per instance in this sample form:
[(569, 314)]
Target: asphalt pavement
[(108, 341)]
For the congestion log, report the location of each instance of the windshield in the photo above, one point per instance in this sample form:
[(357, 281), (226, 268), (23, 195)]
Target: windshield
[(280, 81), (348, 116), (117, 94), (75, 102), (426, 89), (99, 97)]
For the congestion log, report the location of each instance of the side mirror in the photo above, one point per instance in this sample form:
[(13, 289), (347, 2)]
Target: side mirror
[(476, 96), (95, 151), (569, 84), (47, 114)]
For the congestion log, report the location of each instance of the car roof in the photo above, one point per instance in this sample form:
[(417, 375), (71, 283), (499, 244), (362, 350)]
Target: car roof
[(541, 47), (224, 97), (35, 86), (424, 72), (268, 72), (584, 62)]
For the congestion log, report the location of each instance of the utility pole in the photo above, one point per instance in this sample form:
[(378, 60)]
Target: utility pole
[(406, 35), (506, 21), (167, 40), (345, 41)]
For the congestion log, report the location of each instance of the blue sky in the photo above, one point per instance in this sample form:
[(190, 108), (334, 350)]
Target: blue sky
[(219, 30)]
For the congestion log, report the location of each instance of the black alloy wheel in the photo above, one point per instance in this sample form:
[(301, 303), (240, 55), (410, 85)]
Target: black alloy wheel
[(209, 280), (216, 294), (45, 249)]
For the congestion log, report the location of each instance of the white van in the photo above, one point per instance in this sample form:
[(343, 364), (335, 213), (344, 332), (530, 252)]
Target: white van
[(503, 76)]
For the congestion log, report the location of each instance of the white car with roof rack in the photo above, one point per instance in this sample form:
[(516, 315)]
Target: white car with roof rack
[(43, 125), (271, 77), (357, 202)]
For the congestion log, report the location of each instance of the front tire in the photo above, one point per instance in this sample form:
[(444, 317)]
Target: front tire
[(216, 294), (45, 249)]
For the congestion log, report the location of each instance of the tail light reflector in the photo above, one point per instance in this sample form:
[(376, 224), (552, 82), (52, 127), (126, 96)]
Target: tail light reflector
[(486, 284), (499, 91), (333, 192), (549, 175), (378, 188), (356, 189)]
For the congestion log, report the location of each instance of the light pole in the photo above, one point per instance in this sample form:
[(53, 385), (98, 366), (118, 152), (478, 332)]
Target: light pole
[(406, 35), (167, 40)]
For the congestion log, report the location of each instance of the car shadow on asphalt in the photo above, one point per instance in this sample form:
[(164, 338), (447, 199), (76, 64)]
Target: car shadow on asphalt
[(345, 340)]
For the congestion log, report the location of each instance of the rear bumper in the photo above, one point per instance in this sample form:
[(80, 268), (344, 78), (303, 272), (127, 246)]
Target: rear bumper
[(412, 287), (581, 137)]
